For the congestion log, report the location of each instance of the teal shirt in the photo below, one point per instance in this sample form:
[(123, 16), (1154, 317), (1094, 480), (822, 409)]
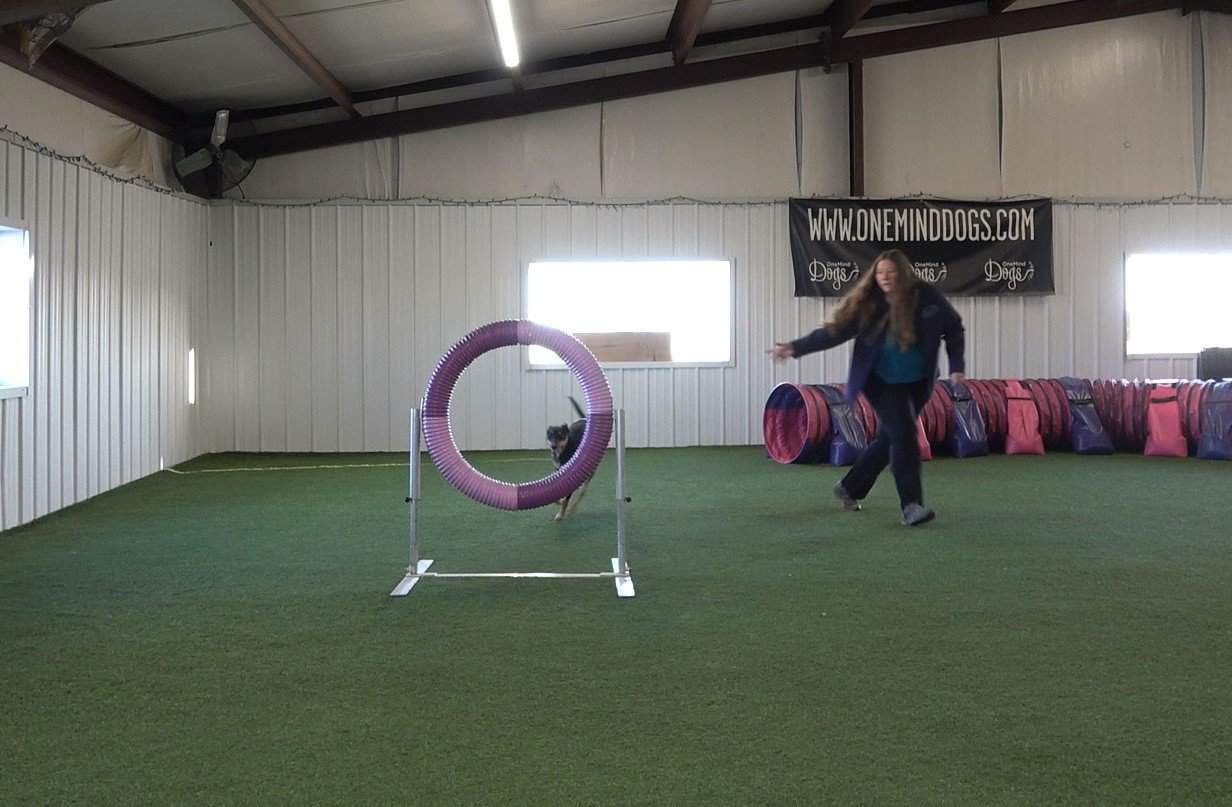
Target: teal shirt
[(896, 366)]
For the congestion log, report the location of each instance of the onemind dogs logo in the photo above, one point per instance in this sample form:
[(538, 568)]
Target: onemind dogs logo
[(836, 273), (931, 271), (1011, 273)]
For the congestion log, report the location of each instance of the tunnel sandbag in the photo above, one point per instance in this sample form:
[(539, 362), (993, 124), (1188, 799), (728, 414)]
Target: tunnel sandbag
[(968, 435), (991, 399), (1099, 397), (980, 396), (1087, 432), (847, 437), (1023, 421), (1216, 440), (942, 392), (1164, 436)]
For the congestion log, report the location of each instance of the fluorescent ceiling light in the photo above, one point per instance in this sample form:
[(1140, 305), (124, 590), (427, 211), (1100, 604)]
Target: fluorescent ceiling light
[(502, 15)]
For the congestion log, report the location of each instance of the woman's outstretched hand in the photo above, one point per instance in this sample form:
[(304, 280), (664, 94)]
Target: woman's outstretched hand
[(782, 351)]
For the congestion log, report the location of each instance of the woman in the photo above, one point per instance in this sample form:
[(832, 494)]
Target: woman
[(898, 323)]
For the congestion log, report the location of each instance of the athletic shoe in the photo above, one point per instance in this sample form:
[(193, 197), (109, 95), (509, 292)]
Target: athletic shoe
[(916, 514), (840, 493)]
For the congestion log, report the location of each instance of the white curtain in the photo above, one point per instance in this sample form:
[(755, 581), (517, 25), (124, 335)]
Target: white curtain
[(73, 128), (1103, 110), (547, 154), (824, 142), (1217, 145), (930, 123), (735, 140)]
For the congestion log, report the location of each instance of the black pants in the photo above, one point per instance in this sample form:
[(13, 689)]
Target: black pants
[(896, 443)]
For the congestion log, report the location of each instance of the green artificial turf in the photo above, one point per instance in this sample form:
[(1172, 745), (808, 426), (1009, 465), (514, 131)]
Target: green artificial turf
[(1062, 634)]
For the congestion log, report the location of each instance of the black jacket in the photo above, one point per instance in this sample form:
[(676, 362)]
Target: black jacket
[(935, 318)]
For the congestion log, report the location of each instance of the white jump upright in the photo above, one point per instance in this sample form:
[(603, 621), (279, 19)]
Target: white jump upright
[(418, 568), (620, 567)]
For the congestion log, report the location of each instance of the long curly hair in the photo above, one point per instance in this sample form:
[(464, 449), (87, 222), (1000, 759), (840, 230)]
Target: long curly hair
[(865, 302)]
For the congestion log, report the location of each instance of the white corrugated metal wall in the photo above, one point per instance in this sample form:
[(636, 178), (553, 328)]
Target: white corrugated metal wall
[(325, 321), (118, 269)]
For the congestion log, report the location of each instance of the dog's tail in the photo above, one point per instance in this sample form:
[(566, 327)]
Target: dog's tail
[(576, 407)]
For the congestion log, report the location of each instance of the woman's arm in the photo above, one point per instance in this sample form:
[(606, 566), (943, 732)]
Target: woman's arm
[(823, 338)]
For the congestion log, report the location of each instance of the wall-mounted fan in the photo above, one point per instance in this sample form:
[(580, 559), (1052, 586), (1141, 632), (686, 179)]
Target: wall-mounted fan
[(211, 170)]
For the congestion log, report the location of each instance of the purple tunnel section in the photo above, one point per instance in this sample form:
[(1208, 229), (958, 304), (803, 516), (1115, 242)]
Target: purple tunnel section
[(493, 492)]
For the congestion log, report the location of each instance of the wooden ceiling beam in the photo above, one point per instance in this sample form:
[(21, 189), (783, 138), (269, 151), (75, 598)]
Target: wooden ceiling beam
[(540, 99), (276, 30), (843, 14), (449, 82), (89, 81), (1213, 6), (916, 7), (686, 24), (855, 126)]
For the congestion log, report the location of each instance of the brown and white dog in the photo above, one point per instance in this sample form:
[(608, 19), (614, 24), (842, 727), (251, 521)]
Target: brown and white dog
[(564, 441)]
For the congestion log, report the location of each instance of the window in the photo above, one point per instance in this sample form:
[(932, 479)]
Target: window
[(1176, 303), (16, 274), (192, 376), (653, 312)]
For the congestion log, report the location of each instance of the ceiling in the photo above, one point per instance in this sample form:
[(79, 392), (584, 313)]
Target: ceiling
[(305, 74), (204, 54)]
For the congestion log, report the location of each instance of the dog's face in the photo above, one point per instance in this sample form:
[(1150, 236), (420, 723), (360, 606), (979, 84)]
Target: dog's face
[(558, 436)]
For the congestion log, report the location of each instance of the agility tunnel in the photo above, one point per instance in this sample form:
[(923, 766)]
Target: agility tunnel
[(812, 423)]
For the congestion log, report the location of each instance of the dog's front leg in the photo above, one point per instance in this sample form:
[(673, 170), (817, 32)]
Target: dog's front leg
[(578, 494), (564, 507)]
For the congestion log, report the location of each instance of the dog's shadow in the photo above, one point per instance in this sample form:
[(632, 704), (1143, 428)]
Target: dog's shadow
[(581, 525)]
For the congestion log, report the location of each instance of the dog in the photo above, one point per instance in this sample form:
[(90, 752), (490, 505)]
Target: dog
[(564, 441)]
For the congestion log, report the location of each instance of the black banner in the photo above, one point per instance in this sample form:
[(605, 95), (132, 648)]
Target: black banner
[(963, 248)]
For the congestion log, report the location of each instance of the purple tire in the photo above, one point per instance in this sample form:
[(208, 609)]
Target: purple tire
[(507, 495)]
